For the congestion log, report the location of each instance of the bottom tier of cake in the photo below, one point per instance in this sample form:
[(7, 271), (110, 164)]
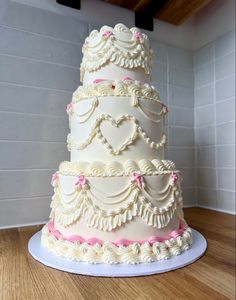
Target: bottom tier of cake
[(123, 251), (117, 214)]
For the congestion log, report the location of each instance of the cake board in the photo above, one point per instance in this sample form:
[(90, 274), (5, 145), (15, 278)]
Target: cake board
[(47, 258)]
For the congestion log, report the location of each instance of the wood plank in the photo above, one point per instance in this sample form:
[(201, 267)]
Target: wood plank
[(211, 277), (178, 11), (131, 5), (174, 11)]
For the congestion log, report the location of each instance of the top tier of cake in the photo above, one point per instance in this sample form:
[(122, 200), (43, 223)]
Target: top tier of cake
[(114, 53)]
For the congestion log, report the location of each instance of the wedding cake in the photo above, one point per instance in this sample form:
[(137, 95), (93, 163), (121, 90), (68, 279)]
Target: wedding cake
[(117, 200)]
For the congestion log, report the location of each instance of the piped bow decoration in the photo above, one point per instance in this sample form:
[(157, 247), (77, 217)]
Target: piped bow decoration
[(164, 109), (54, 180), (175, 178), (137, 180), (69, 108), (81, 183), (138, 37)]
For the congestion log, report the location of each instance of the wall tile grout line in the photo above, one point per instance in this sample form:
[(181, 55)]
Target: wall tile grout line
[(41, 61), (218, 101), (28, 169), (20, 198), (36, 87), (36, 141), (33, 114), (215, 124), (42, 35)]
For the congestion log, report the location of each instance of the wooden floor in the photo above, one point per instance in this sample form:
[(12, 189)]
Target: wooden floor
[(211, 277)]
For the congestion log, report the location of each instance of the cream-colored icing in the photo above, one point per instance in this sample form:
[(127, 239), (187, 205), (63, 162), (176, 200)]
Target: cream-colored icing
[(117, 184), (136, 230), (108, 203), (129, 88), (74, 238), (97, 132), (110, 70), (121, 46), (112, 254), (120, 127), (114, 168)]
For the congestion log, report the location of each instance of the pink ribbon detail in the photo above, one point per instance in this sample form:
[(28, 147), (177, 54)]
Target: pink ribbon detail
[(121, 242)]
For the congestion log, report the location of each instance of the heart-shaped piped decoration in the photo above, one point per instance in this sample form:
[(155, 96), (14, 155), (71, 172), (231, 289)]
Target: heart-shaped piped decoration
[(118, 123)]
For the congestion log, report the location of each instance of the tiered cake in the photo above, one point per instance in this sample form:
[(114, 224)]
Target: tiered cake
[(117, 200)]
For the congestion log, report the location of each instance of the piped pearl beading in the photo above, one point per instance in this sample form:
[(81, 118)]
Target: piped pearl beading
[(96, 132)]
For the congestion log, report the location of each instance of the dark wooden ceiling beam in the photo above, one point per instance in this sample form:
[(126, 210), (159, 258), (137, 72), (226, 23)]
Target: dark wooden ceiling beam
[(173, 11), (178, 11)]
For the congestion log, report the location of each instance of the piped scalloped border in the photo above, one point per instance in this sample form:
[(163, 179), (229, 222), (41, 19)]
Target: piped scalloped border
[(112, 254), (122, 88), (114, 168), (127, 48)]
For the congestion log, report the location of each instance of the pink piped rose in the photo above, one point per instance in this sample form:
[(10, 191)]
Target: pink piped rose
[(82, 182), (137, 179), (54, 179), (107, 34), (175, 178), (138, 36), (69, 108), (165, 109)]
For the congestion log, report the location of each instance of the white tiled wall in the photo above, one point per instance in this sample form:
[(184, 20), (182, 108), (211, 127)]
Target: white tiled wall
[(173, 76), (40, 53), (214, 69)]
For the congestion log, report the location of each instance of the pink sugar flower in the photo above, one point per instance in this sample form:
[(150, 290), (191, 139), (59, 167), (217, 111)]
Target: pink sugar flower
[(137, 179), (138, 36), (107, 34), (174, 178), (69, 108), (164, 109), (81, 182), (54, 179)]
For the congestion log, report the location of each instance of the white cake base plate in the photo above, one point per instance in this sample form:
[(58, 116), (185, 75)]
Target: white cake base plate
[(120, 270)]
